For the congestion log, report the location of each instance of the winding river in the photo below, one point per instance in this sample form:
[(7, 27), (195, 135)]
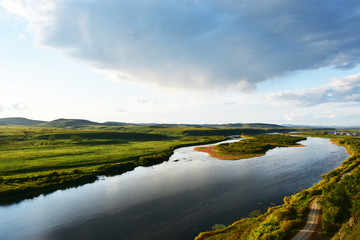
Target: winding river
[(174, 200)]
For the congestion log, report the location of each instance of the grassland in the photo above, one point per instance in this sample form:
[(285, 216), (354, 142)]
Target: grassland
[(252, 146), (35, 160), (338, 193)]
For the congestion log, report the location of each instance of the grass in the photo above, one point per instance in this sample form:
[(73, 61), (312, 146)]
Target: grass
[(252, 146), (38, 160), (277, 223)]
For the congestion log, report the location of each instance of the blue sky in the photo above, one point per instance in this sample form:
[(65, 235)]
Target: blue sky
[(181, 61)]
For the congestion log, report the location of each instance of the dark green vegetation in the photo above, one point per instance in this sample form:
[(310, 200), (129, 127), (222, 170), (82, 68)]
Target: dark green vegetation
[(338, 193), (36, 158), (341, 196), (258, 144)]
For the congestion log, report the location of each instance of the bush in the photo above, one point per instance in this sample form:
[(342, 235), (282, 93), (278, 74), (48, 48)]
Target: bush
[(76, 171), (217, 227), (76, 138), (156, 158)]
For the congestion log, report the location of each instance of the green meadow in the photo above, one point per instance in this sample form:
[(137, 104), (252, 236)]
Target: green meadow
[(35, 160)]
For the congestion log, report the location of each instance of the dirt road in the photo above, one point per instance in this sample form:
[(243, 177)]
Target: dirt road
[(312, 229)]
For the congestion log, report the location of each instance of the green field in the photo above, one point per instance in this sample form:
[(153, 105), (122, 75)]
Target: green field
[(35, 160)]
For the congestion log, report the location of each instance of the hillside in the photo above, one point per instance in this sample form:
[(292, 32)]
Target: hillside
[(19, 121), (254, 125), (77, 123), (63, 123)]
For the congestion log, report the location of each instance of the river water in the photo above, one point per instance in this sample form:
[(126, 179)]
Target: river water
[(174, 200)]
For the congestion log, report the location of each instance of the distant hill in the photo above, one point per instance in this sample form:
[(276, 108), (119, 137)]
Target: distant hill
[(19, 121), (75, 123), (116, 124), (78, 123), (63, 123), (58, 123), (253, 125), (312, 127)]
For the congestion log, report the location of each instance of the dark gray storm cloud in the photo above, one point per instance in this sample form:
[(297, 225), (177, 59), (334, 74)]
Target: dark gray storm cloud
[(339, 90), (223, 43)]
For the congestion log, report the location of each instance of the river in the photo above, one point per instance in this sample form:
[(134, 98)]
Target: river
[(174, 200)]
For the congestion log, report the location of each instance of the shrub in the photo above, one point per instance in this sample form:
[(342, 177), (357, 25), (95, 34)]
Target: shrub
[(76, 138), (218, 227), (76, 171)]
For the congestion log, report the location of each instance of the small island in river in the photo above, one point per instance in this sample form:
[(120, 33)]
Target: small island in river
[(252, 146)]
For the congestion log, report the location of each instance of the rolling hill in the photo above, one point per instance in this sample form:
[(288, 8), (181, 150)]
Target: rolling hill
[(19, 121)]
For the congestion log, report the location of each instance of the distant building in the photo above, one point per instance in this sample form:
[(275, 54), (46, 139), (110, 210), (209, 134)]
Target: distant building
[(344, 133)]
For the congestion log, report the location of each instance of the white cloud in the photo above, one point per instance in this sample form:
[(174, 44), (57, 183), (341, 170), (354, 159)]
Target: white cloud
[(331, 114), (32, 10), (121, 110), (140, 100), (198, 43), (39, 13), (345, 89), (17, 107), (296, 117), (22, 36), (229, 102), (289, 117)]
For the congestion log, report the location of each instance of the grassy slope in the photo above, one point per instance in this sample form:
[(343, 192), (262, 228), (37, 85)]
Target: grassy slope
[(339, 194), (37, 160)]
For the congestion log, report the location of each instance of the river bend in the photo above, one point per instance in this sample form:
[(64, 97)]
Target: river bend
[(174, 200)]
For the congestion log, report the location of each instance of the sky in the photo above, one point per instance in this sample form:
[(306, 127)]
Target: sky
[(181, 61)]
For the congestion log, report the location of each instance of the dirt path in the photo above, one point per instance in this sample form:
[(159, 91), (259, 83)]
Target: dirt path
[(312, 229)]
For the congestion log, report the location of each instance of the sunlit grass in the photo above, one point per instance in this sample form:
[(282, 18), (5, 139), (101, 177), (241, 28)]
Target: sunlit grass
[(35, 158)]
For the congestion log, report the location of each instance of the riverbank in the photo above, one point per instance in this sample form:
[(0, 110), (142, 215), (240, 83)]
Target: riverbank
[(46, 184), (338, 194), (42, 160)]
